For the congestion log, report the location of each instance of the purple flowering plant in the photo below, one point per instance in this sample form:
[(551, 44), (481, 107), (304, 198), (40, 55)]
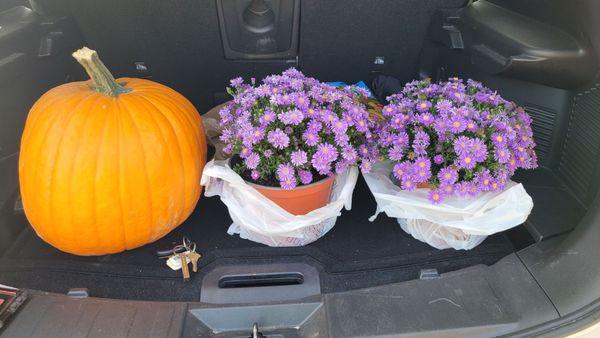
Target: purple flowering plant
[(292, 130), (455, 137)]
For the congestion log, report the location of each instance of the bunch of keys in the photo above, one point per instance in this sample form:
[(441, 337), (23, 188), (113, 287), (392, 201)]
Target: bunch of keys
[(185, 252)]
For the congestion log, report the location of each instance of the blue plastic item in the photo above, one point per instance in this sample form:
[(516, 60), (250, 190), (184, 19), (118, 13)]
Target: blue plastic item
[(359, 84)]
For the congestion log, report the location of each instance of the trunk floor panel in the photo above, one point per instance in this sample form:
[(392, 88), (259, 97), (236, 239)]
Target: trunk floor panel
[(354, 254)]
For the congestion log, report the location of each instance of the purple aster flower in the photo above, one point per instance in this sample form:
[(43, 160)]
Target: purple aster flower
[(293, 117), (267, 117), (408, 184), (447, 189), (390, 110), (257, 135), (278, 138), (285, 171), (366, 166), (511, 165), (481, 97), (305, 176), (498, 139), (494, 185), (475, 84), (466, 161), (362, 126), (421, 138), (501, 154), (457, 124), (397, 122), (441, 125), (327, 152), (237, 82), (426, 118), (419, 149), (461, 144), (462, 189), (363, 150), (471, 125), (288, 183), (484, 180), (473, 189), (422, 163), (420, 143), (328, 116), (432, 90), (423, 106), (301, 101), (464, 111), (225, 116), (255, 175), (340, 167), (400, 170), (443, 107), (339, 127), (268, 153), (314, 126), (438, 159), (401, 139), (478, 149), (386, 138), (311, 138), (494, 99), (226, 135), (458, 97), (311, 112), (342, 139), (447, 175), (396, 153), (436, 196), (349, 154), (252, 161), (421, 174), (245, 152), (322, 166), (298, 157)]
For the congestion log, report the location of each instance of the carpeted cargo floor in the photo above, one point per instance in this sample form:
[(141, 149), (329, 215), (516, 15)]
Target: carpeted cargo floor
[(355, 254)]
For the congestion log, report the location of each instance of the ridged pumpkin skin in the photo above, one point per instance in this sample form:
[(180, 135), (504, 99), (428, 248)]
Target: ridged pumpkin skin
[(100, 174)]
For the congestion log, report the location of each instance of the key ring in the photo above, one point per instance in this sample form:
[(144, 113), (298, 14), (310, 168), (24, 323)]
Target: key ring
[(177, 248), (188, 244)]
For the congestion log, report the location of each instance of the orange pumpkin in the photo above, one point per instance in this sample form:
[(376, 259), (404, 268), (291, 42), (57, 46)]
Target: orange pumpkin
[(109, 165)]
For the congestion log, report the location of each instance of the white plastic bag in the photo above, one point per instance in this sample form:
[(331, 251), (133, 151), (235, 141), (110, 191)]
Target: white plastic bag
[(259, 219), (459, 223)]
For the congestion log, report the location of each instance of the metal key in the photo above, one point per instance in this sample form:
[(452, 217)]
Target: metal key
[(184, 267), (194, 257)]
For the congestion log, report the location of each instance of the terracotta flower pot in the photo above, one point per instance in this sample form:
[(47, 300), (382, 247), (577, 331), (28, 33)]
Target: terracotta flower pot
[(424, 185), (301, 200)]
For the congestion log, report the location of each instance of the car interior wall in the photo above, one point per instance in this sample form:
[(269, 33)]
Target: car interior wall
[(180, 42), (578, 161), (566, 119), (24, 77)]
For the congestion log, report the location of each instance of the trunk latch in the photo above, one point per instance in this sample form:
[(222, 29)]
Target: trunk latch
[(255, 332)]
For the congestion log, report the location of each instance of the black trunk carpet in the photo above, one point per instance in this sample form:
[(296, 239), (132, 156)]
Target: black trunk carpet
[(354, 254)]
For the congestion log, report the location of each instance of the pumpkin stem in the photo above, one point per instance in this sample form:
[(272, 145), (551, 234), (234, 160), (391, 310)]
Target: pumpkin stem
[(103, 81)]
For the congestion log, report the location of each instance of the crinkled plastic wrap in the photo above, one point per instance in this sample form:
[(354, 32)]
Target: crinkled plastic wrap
[(259, 219), (459, 223)]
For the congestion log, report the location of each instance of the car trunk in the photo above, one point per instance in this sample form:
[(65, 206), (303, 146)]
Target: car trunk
[(179, 43)]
